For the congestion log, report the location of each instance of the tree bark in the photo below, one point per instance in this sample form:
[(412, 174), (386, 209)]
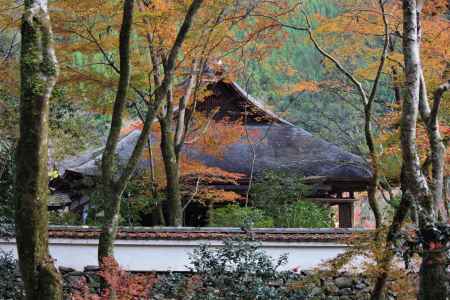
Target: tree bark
[(39, 71), (171, 146), (112, 193), (110, 225), (433, 282), (171, 166), (385, 265), (430, 118), (433, 276), (415, 181)]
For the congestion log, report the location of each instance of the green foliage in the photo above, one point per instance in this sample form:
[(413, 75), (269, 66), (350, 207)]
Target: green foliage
[(63, 218), (7, 177), (279, 195), (304, 214), (138, 201), (238, 270), (234, 215), (333, 113), (276, 189), (73, 130), (9, 288)]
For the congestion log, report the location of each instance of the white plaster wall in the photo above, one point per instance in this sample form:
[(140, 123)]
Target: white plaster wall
[(172, 255)]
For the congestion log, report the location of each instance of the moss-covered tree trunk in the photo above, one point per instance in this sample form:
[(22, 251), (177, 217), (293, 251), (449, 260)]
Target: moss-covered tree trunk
[(38, 77), (171, 167), (112, 192), (172, 141)]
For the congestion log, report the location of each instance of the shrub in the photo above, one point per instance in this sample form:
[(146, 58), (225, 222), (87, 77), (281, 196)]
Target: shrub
[(9, 284), (7, 178), (176, 286), (7, 174), (120, 284), (280, 196), (240, 270), (303, 214), (63, 218), (234, 215)]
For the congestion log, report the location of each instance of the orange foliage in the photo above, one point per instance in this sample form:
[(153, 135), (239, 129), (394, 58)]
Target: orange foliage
[(219, 136), (300, 87), (206, 196), (87, 41), (126, 286), (360, 25), (193, 170), (390, 141)]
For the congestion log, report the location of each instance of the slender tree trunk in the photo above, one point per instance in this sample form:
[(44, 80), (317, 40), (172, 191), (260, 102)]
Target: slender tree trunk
[(433, 279), (171, 166), (110, 225), (112, 192), (172, 176), (367, 100), (171, 146), (433, 271), (385, 264), (38, 76)]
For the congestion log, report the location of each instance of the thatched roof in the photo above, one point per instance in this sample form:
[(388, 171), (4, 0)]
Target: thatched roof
[(282, 147)]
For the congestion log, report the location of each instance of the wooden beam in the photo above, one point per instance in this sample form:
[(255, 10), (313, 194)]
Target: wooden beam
[(332, 200), (346, 215)]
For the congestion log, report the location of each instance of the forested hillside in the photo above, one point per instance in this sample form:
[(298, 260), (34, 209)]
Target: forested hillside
[(300, 84)]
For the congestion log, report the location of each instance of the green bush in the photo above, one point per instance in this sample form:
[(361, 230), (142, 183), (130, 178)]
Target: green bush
[(64, 218), (9, 285), (281, 195), (303, 214), (234, 215), (7, 177), (238, 270)]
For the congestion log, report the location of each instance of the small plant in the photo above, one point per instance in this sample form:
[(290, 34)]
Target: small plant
[(234, 215), (9, 284)]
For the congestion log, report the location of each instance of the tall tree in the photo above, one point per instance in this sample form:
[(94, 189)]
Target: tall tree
[(172, 140), (39, 71), (113, 188), (211, 38), (433, 275)]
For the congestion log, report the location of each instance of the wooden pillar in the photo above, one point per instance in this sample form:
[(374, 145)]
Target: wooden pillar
[(346, 215)]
